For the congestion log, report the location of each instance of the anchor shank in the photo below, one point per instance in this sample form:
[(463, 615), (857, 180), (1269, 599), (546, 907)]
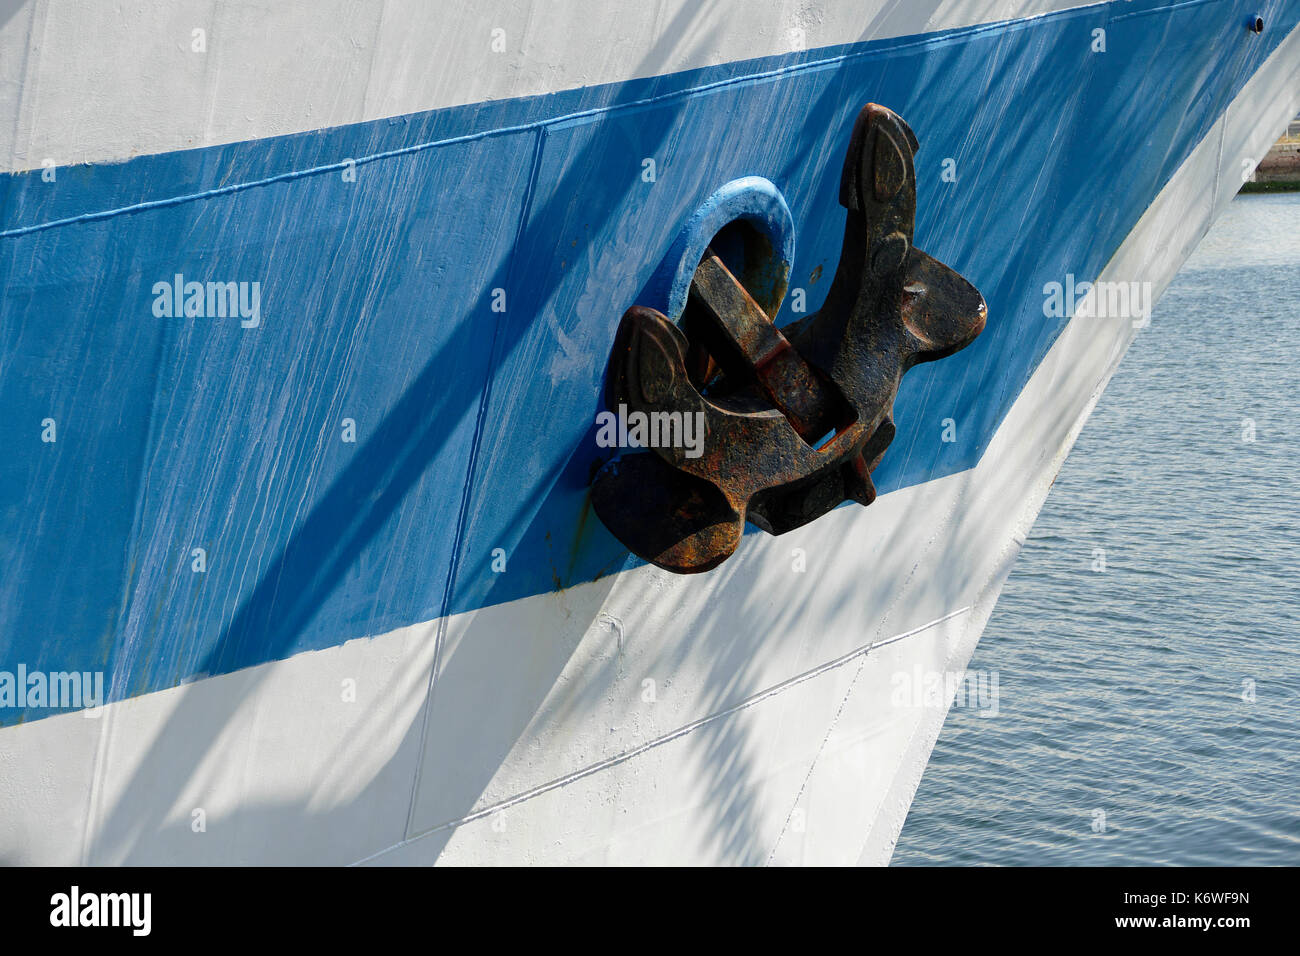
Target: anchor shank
[(788, 381)]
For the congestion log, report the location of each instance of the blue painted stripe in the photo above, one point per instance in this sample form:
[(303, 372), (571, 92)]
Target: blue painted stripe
[(474, 427)]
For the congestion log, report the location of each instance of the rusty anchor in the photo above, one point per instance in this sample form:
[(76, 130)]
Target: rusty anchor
[(797, 418)]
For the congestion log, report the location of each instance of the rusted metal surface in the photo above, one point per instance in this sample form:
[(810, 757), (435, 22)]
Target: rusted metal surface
[(796, 419)]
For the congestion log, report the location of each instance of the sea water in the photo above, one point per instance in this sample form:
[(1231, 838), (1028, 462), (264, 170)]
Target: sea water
[(1147, 643)]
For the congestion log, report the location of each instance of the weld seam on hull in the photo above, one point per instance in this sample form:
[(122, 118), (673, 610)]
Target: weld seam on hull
[(471, 467), (939, 527), (682, 731)]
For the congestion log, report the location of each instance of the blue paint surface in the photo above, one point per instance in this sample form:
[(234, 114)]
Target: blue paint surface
[(474, 427)]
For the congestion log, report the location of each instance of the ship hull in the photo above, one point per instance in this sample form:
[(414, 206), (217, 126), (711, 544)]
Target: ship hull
[(420, 646)]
